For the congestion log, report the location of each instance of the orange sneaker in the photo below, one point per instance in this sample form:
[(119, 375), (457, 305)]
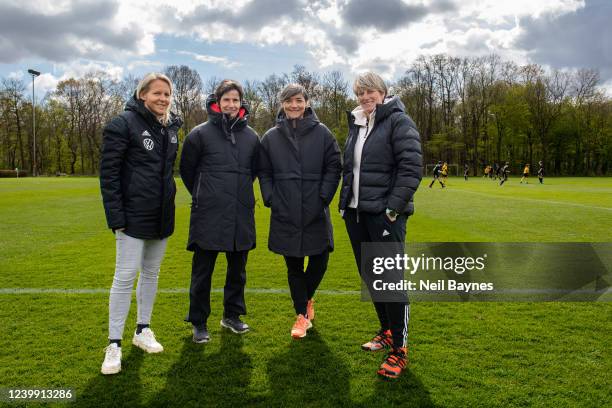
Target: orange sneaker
[(300, 327), (310, 310), (382, 340), (394, 363)]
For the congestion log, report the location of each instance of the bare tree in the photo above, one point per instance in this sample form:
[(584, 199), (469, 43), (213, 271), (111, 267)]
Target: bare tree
[(334, 95), (13, 90), (269, 91), (187, 92)]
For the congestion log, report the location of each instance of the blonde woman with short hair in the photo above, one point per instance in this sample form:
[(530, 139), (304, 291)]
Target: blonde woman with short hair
[(381, 172), (136, 178)]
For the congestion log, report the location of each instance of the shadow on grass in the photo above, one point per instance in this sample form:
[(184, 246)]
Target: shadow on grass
[(308, 374), (202, 380), (114, 390), (406, 391)]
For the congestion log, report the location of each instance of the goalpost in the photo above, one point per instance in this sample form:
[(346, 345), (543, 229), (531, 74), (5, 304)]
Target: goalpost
[(453, 169)]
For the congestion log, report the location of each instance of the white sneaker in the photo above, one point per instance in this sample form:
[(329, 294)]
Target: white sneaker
[(112, 359), (146, 341)]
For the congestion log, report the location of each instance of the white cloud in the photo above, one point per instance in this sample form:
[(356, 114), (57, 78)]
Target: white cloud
[(467, 27), (46, 82), (16, 75), (143, 63), (79, 69), (211, 59)]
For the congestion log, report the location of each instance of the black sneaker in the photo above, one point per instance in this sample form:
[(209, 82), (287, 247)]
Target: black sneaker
[(200, 334), (235, 324)]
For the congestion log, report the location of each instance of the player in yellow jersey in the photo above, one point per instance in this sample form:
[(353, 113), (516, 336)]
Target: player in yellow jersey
[(525, 174), (444, 172)]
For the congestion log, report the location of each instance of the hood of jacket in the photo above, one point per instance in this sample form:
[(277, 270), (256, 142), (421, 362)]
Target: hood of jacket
[(390, 105), (223, 121), (296, 127), (135, 104)]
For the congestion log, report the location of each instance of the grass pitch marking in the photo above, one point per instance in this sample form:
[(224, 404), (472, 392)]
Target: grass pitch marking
[(106, 291), (535, 199)]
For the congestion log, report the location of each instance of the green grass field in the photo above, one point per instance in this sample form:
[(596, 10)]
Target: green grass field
[(57, 261)]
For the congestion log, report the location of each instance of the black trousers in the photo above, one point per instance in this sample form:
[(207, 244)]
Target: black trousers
[(434, 180), (367, 227), (303, 284), (202, 268)]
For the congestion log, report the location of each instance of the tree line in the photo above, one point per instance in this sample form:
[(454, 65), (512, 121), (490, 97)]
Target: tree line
[(476, 110)]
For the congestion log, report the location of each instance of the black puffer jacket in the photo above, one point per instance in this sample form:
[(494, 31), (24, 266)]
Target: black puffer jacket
[(391, 162), (299, 171), (218, 168), (136, 176)]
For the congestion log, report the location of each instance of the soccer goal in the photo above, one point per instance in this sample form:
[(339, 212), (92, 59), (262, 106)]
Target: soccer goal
[(453, 169)]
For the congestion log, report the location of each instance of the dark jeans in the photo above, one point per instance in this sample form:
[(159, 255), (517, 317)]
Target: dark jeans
[(203, 265), (374, 228), (303, 284)]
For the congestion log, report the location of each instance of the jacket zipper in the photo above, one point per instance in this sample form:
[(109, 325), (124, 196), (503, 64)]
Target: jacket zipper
[(198, 189), (164, 135), (367, 136)]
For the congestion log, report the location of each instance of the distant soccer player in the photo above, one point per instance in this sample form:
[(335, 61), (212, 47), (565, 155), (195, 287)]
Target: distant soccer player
[(504, 173), (498, 172), (436, 175), (466, 170), (444, 172), (541, 172), (495, 172), (525, 174), (487, 169)]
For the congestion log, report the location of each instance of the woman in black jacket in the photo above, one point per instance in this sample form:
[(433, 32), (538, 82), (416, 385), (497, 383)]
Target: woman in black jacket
[(217, 167), (299, 171), (381, 173), (136, 178)]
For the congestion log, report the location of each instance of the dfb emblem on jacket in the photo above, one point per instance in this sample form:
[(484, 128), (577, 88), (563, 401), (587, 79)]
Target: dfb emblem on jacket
[(148, 143), (173, 138)]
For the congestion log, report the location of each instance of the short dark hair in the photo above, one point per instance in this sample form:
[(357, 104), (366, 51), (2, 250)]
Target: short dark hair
[(228, 85), (292, 90)]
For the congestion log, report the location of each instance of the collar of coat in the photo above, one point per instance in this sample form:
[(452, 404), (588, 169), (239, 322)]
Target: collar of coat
[(221, 120), (296, 127), (135, 104), (390, 105), (361, 116)]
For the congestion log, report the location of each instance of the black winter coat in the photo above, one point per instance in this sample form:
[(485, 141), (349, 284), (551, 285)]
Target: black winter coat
[(299, 171), (218, 168), (136, 172), (391, 162)]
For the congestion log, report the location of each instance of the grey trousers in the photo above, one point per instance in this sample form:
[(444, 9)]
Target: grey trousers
[(134, 255)]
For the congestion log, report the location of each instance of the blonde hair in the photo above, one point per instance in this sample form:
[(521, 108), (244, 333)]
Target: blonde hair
[(369, 80), (145, 84)]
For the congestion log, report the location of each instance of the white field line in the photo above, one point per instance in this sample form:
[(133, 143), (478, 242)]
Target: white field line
[(106, 291), (537, 200)]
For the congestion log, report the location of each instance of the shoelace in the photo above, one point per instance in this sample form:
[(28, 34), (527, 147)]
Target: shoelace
[(149, 336), (395, 358), (148, 333), (302, 323), (380, 336), (113, 351), (236, 323)]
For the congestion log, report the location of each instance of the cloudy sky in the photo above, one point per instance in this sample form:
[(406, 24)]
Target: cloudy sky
[(247, 39)]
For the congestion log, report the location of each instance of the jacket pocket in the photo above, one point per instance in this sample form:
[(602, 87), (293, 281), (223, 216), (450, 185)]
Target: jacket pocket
[(279, 204), (245, 192), (196, 195)]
